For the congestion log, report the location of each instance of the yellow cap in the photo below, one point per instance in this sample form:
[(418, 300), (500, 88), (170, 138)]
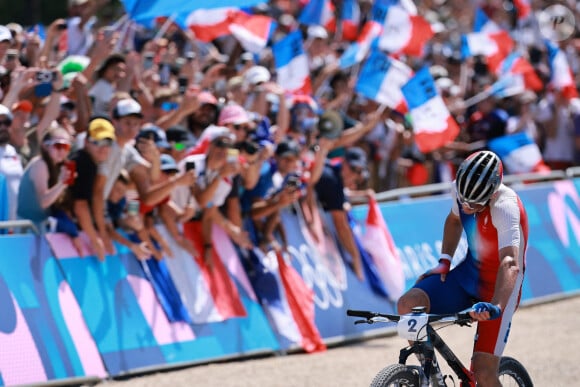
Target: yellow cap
[(100, 128)]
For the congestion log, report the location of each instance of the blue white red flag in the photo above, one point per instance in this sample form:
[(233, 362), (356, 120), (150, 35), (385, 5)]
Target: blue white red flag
[(561, 77), (377, 240), (300, 299), (495, 46), (350, 19), (210, 24), (508, 85), (357, 51), (292, 64), (482, 23), (191, 284), (403, 32), (514, 63), (432, 124), (319, 12), (381, 79), (223, 290), (519, 153)]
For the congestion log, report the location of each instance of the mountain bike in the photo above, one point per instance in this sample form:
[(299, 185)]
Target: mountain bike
[(416, 327)]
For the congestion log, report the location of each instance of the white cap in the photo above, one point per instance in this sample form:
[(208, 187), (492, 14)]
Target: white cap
[(257, 74), (319, 32), (5, 34), (127, 107), (4, 111)]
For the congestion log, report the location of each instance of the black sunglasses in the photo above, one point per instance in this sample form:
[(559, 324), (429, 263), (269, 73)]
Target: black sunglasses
[(102, 143), (6, 122), (223, 144)]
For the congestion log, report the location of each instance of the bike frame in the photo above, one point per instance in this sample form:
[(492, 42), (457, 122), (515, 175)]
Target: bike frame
[(427, 349)]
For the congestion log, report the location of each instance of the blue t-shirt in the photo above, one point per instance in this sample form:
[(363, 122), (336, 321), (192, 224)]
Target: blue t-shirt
[(262, 189)]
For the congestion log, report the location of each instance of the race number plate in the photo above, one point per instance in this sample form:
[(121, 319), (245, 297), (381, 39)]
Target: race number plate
[(412, 327)]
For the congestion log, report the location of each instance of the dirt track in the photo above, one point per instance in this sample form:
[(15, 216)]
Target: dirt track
[(545, 338)]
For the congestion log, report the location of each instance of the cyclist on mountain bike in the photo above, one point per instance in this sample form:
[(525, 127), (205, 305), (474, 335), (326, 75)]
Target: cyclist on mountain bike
[(496, 226)]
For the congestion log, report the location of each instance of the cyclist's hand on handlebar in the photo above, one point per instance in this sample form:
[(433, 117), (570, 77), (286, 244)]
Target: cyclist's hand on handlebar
[(484, 311), (442, 268)]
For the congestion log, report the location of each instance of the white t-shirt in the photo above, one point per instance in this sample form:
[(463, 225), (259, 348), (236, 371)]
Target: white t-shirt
[(79, 40), (11, 168), (101, 94), (181, 195)]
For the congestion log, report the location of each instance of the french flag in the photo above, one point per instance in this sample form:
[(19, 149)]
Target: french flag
[(252, 31), (561, 77), (403, 32), (432, 123), (319, 12), (523, 8), (350, 19), (508, 85), (482, 23), (223, 290), (292, 64), (377, 240), (381, 79), (519, 153), (514, 63), (495, 46), (357, 51)]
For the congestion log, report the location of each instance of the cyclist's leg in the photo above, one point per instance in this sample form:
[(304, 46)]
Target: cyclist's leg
[(485, 368), (437, 296), (491, 339)]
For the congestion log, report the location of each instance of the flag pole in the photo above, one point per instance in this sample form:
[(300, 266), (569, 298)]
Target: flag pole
[(164, 27)]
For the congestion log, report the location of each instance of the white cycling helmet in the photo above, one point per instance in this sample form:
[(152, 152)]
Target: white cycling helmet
[(479, 177)]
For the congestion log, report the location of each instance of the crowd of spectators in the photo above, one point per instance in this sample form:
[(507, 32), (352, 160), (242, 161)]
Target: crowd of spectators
[(98, 133)]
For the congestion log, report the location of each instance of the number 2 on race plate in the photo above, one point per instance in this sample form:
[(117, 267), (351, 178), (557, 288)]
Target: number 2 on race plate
[(413, 327)]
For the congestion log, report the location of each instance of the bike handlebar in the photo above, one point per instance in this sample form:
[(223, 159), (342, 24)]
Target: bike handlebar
[(451, 317)]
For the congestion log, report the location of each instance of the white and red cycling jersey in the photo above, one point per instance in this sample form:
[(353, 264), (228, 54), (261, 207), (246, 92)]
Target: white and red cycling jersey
[(502, 223)]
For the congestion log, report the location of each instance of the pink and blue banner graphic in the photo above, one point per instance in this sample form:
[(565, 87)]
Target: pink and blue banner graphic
[(43, 335), (129, 325)]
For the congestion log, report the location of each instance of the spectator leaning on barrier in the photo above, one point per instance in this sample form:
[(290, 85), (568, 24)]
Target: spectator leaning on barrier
[(10, 164), (79, 197), (45, 178)]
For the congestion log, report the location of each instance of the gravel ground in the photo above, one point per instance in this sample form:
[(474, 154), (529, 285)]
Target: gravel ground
[(545, 338)]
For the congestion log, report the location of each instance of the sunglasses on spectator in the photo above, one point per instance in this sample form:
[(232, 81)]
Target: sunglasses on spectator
[(105, 142), (60, 145), (6, 122), (241, 127), (221, 143)]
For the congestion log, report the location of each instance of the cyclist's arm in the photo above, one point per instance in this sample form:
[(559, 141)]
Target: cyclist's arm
[(507, 275), (451, 234)]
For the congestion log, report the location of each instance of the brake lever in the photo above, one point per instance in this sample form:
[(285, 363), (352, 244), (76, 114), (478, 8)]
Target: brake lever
[(363, 322)]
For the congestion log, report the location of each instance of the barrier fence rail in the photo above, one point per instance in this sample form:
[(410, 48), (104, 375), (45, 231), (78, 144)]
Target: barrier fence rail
[(68, 318)]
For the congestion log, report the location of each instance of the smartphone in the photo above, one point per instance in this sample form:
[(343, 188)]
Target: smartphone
[(164, 74), (71, 165), (233, 155), (45, 76), (183, 82), (148, 60), (189, 165)]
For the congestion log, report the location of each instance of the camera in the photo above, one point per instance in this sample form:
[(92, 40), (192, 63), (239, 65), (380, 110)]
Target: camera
[(189, 165), (45, 76), (248, 147), (293, 181)]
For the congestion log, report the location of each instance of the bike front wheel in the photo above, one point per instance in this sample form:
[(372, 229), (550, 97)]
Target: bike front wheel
[(397, 375), (513, 373)]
